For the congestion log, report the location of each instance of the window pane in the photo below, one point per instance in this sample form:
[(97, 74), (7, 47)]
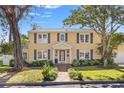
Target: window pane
[(86, 38), (81, 55), (39, 36), (25, 55), (82, 38), (44, 36), (39, 55), (44, 54), (87, 55), (62, 37)]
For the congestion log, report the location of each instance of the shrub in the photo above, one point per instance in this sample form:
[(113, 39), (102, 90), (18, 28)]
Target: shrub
[(41, 63), (75, 63), (49, 73), (12, 63), (76, 75)]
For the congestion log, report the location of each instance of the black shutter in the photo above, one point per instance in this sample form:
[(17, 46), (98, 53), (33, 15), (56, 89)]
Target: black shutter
[(91, 38), (49, 54), (66, 37), (77, 37), (58, 37), (35, 37), (91, 54), (77, 54), (35, 54), (48, 37)]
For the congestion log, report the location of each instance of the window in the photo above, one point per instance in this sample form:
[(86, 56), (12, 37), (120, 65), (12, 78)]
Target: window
[(81, 38), (87, 55), (86, 38), (43, 38), (25, 55), (39, 55), (42, 54), (84, 54), (62, 37)]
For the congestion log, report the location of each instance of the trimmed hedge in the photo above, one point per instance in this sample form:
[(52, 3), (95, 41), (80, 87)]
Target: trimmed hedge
[(49, 73), (1, 62), (86, 62), (12, 63)]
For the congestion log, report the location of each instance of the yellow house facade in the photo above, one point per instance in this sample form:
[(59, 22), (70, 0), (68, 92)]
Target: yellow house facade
[(62, 45)]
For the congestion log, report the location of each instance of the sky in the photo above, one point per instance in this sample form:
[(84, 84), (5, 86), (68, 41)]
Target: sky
[(49, 16), (46, 17)]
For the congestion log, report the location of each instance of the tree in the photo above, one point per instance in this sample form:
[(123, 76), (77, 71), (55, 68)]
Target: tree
[(115, 40), (11, 15), (104, 20), (24, 41), (6, 48)]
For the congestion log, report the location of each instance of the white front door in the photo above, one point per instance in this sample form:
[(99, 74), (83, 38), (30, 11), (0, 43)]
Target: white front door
[(62, 57)]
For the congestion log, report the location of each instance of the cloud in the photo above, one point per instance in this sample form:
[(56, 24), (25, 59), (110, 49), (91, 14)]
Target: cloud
[(49, 6), (34, 14)]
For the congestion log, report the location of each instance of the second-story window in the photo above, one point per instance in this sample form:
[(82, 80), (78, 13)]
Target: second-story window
[(62, 37), (84, 38), (43, 38)]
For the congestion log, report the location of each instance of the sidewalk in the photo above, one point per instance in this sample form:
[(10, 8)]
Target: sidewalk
[(63, 76)]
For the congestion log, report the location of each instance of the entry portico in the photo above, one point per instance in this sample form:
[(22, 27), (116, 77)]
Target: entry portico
[(62, 53)]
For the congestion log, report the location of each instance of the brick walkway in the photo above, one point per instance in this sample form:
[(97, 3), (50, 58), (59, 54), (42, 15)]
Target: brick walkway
[(63, 76)]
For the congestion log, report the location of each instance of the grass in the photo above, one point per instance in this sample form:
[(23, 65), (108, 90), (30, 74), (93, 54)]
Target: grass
[(4, 68), (93, 73), (27, 76)]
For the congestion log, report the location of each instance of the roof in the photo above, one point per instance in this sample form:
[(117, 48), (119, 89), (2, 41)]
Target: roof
[(61, 30)]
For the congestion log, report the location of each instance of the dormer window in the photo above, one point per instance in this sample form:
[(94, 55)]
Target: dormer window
[(62, 37)]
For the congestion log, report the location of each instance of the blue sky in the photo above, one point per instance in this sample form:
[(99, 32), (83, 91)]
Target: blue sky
[(47, 17)]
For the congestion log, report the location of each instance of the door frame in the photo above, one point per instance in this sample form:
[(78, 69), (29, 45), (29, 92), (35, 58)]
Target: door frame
[(61, 62)]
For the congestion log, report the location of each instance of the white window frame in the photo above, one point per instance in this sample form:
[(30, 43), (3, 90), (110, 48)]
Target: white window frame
[(42, 57), (84, 57), (42, 40), (84, 38), (60, 37)]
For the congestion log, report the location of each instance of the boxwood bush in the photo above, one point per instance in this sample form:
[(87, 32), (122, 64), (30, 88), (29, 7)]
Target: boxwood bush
[(49, 73), (76, 75), (1, 62)]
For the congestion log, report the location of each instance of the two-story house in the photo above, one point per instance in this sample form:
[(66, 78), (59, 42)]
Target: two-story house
[(62, 45)]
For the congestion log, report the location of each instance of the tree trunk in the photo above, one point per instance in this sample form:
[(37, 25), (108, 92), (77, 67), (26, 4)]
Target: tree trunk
[(16, 44), (17, 48), (104, 50)]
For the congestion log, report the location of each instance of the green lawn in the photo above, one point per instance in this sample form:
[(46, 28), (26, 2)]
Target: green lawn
[(102, 74), (34, 75), (4, 68)]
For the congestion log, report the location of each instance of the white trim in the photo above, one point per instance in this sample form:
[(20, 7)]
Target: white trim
[(84, 38), (60, 37), (66, 45), (42, 51), (42, 41), (84, 51)]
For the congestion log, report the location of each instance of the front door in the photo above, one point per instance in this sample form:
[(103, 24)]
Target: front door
[(62, 56)]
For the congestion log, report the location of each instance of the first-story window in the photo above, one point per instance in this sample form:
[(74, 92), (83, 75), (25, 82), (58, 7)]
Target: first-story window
[(42, 54), (84, 54)]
